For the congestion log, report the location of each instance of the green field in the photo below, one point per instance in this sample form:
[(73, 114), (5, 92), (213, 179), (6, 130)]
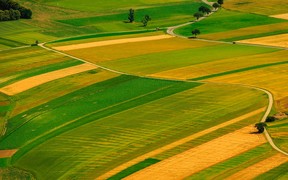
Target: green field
[(84, 125), (225, 21), (102, 128)]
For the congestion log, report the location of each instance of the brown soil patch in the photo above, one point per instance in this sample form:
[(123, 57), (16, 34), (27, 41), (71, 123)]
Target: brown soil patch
[(203, 156), (260, 167), (281, 16), (110, 42), (7, 153), (277, 40), (177, 143), (34, 81)]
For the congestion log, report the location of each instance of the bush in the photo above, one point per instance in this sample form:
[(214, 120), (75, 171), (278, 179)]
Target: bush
[(260, 127), (270, 119)]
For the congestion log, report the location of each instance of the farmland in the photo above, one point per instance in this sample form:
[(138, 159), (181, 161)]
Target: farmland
[(102, 98)]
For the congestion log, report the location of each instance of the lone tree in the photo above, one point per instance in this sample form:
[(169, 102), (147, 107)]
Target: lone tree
[(131, 15), (220, 2), (195, 32), (197, 15), (216, 6), (260, 127), (145, 20)]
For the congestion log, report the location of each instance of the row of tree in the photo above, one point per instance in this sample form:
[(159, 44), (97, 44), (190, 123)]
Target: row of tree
[(11, 10)]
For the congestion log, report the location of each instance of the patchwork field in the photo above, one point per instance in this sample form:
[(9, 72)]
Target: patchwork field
[(181, 109)]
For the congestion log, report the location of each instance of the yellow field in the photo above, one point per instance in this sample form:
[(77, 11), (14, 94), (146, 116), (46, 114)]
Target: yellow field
[(111, 42), (34, 81), (260, 167), (274, 79), (256, 6), (223, 65), (281, 16), (119, 51), (203, 156), (277, 40), (247, 31)]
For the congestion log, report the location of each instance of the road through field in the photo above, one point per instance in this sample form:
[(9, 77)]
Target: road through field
[(196, 159), (177, 143), (34, 81)]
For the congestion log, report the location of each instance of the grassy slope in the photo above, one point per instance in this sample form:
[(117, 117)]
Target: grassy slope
[(109, 134), (170, 15), (225, 21)]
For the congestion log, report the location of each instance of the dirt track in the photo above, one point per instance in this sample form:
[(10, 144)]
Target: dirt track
[(7, 153), (177, 143), (260, 168), (110, 42), (201, 157), (34, 81)]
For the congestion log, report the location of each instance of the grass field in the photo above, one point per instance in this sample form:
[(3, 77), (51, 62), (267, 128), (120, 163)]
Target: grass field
[(225, 21), (279, 133), (163, 61), (114, 141), (259, 7)]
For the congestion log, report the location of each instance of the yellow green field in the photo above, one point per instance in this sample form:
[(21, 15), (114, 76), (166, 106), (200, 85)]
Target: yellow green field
[(101, 98)]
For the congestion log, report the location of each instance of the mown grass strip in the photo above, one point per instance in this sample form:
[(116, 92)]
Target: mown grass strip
[(137, 167), (238, 70)]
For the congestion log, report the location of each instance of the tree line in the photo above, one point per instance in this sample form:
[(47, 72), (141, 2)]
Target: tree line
[(131, 18), (11, 10)]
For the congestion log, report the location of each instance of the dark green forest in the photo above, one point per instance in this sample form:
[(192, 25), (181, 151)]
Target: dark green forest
[(11, 10)]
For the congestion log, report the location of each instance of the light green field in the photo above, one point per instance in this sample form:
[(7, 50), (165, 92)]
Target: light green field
[(163, 61), (176, 110)]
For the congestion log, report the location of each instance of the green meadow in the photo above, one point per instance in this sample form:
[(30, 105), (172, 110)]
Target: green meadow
[(226, 20)]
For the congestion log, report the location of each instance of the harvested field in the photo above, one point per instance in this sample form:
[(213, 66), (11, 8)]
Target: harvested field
[(111, 42), (260, 168), (281, 16), (223, 65), (29, 83), (203, 156), (277, 40), (177, 143), (118, 51), (7, 153)]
